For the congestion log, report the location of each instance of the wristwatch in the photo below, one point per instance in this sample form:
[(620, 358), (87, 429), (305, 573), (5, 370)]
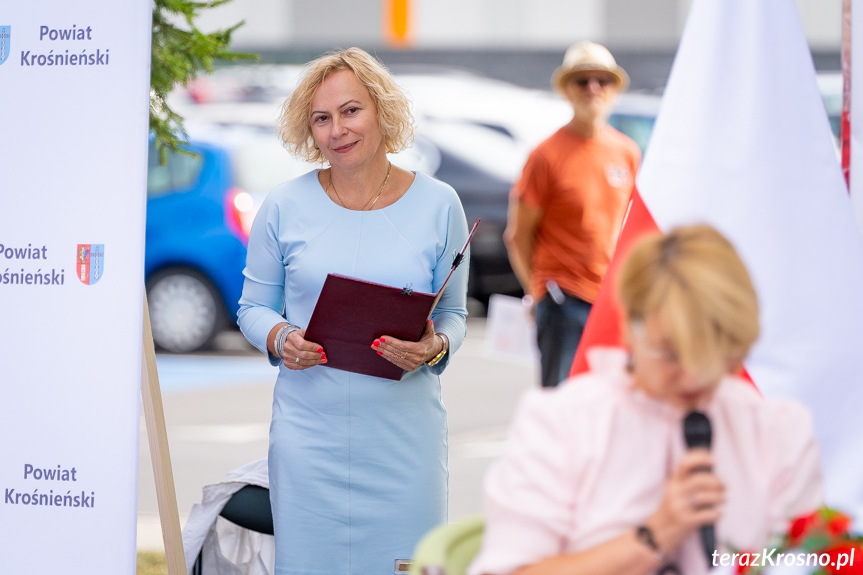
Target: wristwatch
[(434, 361), (645, 535)]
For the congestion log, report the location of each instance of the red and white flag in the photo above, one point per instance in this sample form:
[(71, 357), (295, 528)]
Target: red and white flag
[(742, 142)]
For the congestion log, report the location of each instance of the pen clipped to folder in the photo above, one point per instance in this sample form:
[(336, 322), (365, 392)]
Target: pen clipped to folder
[(457, 259)]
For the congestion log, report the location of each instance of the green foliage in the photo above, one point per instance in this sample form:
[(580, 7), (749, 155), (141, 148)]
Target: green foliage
[(179, 53)]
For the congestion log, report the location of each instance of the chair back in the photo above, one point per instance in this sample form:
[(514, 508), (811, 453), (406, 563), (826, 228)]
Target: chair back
[(250, 508), (449, 549)]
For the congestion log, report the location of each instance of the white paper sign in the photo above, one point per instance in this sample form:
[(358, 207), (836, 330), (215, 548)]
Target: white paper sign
[(510, 333), (74, 85)]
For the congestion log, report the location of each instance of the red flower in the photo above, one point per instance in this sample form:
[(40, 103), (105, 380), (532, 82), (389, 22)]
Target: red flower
[(838, 525), (841, 556), (799, 528)]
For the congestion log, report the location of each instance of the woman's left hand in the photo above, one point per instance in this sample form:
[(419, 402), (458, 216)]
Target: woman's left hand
[(408, 355)]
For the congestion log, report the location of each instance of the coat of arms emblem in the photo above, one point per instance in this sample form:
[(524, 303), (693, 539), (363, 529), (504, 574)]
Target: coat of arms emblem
[(5, 42), (90, 263)]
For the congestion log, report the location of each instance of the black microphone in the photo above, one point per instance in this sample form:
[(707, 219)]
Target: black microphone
[(697, 433)]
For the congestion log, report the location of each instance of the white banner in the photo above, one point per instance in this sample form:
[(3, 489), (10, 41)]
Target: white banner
[(74, 85)]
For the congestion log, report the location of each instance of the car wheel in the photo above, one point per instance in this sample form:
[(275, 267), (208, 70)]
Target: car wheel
[(186, 311)]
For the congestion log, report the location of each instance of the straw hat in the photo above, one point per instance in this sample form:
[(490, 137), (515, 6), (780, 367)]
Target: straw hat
[(588, 57)]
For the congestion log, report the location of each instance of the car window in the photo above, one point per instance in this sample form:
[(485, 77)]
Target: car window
[(833, 105), (180, 171), (830, 85), (636, 127)]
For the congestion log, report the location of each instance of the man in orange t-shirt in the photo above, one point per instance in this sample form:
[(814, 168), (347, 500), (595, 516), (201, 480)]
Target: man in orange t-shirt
[(567, 208)]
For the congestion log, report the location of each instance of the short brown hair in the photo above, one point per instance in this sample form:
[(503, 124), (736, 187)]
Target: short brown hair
[(693, 280), (394, 115)]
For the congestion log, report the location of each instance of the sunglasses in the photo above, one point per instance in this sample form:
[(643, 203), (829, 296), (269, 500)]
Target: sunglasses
[(584, 81)]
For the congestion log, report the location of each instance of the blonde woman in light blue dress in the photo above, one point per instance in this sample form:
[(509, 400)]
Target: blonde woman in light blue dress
[(358, 464)]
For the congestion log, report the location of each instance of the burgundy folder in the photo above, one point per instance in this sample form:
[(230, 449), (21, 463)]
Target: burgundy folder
[(351, 313)]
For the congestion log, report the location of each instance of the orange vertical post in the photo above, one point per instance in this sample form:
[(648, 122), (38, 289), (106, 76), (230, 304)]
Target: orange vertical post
[(397, 23)]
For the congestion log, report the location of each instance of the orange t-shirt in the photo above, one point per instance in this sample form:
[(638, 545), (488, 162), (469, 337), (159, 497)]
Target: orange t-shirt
[(583, 187)]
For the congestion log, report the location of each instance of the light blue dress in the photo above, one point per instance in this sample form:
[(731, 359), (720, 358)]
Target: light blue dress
[(358, 464)]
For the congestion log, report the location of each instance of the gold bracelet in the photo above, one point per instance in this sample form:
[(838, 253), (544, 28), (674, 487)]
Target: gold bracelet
[(434, 361)]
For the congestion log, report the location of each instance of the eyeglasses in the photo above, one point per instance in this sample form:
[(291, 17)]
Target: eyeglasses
[(664, 354), (584, 81), (670, 358)]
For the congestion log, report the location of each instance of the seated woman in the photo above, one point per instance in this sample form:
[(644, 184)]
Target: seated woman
[(597, 478)]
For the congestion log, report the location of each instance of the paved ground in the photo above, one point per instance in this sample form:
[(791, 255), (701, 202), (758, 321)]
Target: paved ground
[(217, 409)]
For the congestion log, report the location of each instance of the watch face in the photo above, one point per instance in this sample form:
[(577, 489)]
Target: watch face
[(645, 536)]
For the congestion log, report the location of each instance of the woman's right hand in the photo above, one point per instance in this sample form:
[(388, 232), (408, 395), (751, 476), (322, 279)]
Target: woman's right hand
[(694, 496), (299, 353)]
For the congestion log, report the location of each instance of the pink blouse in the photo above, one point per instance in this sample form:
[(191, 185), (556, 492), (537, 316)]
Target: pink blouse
[(587, 461)]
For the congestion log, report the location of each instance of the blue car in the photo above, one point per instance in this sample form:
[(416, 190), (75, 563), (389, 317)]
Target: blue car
[(194, 248)]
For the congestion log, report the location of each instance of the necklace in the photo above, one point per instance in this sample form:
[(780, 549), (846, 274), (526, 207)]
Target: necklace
[(372, 201)]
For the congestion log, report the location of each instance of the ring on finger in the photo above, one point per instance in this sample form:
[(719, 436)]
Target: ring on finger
[(298, 360), (405, 355)]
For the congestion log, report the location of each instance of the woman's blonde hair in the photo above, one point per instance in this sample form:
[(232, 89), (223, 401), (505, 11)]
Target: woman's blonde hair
[(693, 281), (394, 115)]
